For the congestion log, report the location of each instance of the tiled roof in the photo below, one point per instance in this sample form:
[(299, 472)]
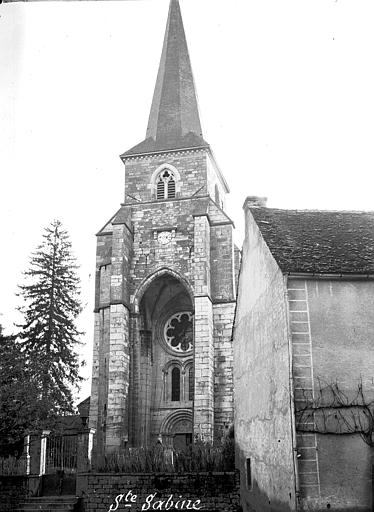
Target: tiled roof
[(84, 407), (170, 142), (318, 241), (123, 216)]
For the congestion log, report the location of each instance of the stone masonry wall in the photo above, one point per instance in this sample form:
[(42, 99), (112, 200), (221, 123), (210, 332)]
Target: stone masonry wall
[(223, 318), (217, 492), (149, 254), (100, 371), (222, 263), (191, 165), (129, 256), (118, 378), (12, 490), (203, 342)]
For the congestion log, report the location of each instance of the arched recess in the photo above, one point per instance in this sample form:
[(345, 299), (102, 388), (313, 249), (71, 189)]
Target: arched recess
[(162, 346), (145, 284), (176, 430), (172, 362), (177, 422)]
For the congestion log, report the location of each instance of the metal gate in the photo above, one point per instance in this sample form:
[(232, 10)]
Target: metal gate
[(60, 465)]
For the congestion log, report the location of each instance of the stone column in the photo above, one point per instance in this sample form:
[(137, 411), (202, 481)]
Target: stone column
[(43, 452), (37, 453), (35, 450), (85, 439), (203, 335)]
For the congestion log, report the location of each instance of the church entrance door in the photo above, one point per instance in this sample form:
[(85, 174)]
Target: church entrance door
[(181, 441)]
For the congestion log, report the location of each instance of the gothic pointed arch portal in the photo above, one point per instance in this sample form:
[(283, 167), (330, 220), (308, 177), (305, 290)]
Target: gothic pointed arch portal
[(162, 357), (156, 275)]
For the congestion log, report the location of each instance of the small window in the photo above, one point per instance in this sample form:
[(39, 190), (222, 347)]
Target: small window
[(165, 185), (248, 473), (175, 385)]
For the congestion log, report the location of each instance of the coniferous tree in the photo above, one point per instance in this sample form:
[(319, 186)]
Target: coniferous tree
[(49, 336)]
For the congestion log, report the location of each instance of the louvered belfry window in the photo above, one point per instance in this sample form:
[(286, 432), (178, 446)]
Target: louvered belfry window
[(166, 185), (160, 190)]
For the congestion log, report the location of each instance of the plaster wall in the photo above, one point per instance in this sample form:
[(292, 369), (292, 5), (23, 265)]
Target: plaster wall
[(341, 327), (263, 419)]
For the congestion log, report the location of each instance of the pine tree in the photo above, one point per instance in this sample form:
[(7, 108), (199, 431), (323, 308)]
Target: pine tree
[(48, 336)]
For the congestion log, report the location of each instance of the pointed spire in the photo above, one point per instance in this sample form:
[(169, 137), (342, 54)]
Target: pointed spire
[(174, 110), (174, 120)]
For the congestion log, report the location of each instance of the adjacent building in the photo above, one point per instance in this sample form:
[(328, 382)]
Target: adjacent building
[(304, 359), (165, 279)]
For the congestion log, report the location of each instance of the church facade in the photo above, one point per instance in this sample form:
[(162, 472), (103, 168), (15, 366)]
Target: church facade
[(166, 275)]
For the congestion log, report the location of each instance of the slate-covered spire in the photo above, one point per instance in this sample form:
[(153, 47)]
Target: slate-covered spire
[(174, 120)]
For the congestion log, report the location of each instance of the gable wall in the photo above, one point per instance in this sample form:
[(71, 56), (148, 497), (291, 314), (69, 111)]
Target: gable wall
[(263, 421)]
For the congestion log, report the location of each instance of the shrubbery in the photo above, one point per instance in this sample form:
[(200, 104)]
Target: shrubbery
[(198, 457)]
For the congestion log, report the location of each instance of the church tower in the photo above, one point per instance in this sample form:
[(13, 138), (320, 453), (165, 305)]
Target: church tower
[(165, 279)]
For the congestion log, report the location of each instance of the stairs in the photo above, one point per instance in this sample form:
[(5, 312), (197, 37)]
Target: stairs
[(49, 504)]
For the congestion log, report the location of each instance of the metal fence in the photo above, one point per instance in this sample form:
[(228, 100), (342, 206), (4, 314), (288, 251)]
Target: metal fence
[(61, 453)]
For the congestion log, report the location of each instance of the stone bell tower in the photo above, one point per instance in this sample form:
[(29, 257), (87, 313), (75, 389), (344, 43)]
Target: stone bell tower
[(165, 279)]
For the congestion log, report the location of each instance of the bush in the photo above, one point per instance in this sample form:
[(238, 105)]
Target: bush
[(12, 466), (197, 457)]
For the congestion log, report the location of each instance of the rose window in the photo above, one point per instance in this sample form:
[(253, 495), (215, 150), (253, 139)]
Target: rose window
[(179, 331)]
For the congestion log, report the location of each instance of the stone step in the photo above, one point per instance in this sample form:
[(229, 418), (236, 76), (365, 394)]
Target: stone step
[(52, 507), (44, 499), (48, 504)]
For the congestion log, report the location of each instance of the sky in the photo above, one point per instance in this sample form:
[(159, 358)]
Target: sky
[(286, 100)]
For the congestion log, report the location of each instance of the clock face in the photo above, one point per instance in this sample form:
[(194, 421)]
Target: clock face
[(164, 237)]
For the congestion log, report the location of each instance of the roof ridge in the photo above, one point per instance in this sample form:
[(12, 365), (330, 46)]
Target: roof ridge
[(311, 210)]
